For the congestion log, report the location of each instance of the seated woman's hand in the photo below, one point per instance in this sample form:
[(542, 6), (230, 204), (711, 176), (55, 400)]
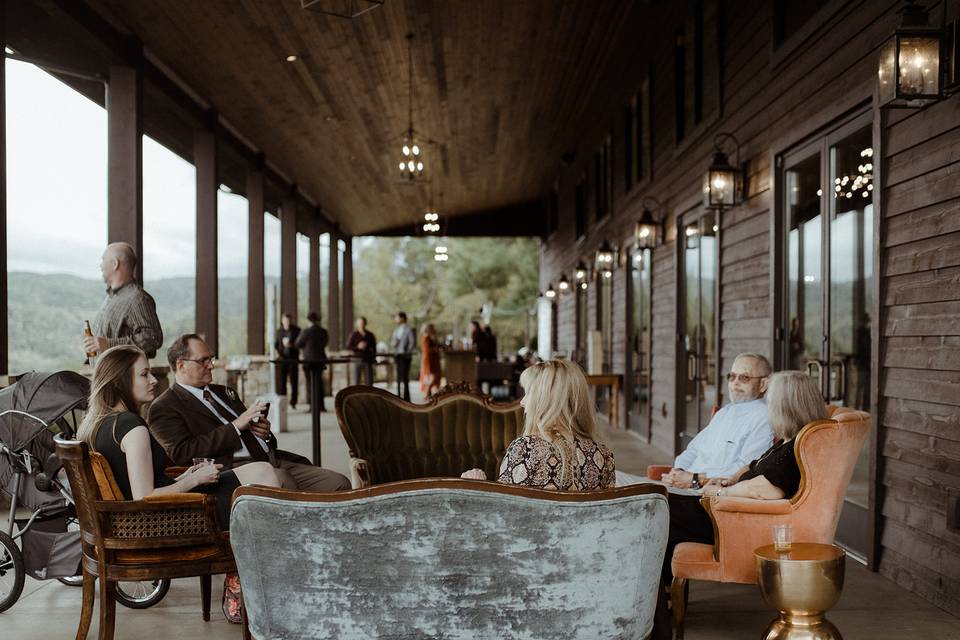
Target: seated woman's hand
[(474, 474), (204, 473)]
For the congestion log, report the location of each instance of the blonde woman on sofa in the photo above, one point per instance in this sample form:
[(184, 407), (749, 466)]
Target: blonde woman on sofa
[(560, 447)]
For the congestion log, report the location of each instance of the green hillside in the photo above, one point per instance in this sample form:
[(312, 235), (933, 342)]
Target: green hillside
[(47, 313)]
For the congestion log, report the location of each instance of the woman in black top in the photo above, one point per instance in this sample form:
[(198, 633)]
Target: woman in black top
[(793, 400), (113, 427)]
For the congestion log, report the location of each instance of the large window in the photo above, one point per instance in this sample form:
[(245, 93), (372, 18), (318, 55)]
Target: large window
[(232, 243), (324, 279), (271, 275), (56, 217), (303, 279), (169, 239)]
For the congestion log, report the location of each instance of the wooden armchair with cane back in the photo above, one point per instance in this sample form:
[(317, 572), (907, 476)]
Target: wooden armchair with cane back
[(392, 440), (169, 536), (826, 451)]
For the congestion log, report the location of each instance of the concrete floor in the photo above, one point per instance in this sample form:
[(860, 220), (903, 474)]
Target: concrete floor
[(871, 608)]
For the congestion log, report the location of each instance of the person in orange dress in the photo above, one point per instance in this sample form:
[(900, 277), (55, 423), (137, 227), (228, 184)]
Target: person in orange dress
[(429, 361)]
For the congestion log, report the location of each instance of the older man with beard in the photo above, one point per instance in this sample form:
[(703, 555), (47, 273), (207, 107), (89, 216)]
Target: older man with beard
[(738, 433)]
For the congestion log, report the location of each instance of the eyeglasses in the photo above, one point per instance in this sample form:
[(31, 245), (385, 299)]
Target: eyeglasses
[(209, 360), (741, 377)]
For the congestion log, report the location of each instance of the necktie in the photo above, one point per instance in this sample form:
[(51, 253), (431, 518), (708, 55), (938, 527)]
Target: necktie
[(249, 440)]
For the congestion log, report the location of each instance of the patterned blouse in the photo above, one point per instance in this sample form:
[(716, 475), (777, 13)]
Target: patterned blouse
[(532, 461)]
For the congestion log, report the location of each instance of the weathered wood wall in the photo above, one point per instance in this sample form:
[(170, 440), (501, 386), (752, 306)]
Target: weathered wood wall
[(773, 97)]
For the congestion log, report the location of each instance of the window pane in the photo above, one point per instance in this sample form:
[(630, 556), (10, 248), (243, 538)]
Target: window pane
[(303, 278), (232, 246), (56, 217), (169, 239), (324, 277), (271, 275)]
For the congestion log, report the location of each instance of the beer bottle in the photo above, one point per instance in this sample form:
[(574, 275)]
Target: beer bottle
[(88, 332)]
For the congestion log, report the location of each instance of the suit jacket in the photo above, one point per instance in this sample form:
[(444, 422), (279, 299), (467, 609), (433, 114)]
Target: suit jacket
[(290, 352), (312, 342), (186, 429)]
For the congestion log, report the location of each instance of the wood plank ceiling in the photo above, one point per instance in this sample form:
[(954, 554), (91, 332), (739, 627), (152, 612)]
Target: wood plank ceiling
[(502, 85)]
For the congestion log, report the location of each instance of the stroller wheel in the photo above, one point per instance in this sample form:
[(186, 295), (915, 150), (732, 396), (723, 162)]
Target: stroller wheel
[(12, 572), (141, 594)]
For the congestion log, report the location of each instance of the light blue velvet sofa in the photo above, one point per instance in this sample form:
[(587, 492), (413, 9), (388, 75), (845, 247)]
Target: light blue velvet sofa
[(450, 558)]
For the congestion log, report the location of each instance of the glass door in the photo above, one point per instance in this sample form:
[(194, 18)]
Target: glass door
[(640, 341), (697, 369), (828, 270)]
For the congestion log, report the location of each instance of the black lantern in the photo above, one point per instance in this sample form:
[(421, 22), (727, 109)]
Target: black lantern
[(581, 273), (909, 71), (722, 180), (563, 285), (648, 230), (604, 262), (550, 293)]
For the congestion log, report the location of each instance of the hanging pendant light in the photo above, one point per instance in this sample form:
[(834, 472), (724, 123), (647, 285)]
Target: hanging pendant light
[(411, 162)]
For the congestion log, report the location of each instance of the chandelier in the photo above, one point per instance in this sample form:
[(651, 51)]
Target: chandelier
[(411, 164)]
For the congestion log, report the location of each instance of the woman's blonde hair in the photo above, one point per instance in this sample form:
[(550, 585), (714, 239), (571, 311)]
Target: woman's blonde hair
[(557, 405), (112, 385), (793, 400)]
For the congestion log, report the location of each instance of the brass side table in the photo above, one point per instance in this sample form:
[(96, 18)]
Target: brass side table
[(802, 584)]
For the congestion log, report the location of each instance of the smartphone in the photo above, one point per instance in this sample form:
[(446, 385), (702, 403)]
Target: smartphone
[(265, 410)]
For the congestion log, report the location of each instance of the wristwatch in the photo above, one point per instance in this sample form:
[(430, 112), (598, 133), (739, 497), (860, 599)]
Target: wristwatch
[(696, 481)]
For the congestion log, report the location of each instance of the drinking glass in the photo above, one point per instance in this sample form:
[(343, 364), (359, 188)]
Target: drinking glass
[(782, 537), (202, 461)]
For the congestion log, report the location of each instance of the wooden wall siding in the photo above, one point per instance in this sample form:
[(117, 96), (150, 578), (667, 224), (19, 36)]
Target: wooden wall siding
[(920, 350), (771, 102)]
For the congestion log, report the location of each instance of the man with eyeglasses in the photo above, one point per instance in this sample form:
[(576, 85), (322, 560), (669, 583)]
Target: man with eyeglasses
[(197, 419), (738, 433)]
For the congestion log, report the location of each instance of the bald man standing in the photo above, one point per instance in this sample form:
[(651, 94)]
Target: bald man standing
[(128, 314)]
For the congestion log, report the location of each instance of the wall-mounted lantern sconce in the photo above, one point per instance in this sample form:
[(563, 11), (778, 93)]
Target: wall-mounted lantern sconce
[(550, 293), (563, 285), (909, 71), (605, 260), (721, 184), (649, 231), (581, 273)]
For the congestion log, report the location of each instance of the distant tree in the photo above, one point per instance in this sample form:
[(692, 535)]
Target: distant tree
[(393, 274)]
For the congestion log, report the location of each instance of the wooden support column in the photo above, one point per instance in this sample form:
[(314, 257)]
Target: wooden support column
[(333, 295), (4, 311), (125, 154), (256, 308), (347, 294), (205, 160), (315, 231), (288, 255)]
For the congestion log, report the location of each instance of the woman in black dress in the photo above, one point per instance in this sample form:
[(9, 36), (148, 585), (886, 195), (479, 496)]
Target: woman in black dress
[(113, 427), (793, 400)]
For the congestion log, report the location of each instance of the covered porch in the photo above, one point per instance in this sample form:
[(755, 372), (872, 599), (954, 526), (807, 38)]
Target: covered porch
[(696, 179)]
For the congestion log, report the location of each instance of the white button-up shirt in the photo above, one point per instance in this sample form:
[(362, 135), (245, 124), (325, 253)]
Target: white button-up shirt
[(222, 410), (738, 434)]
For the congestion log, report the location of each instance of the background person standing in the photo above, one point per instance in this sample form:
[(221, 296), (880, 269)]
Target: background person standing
[(362, 345), (288, 355), (403, 343), (312, 343), (128, 314)]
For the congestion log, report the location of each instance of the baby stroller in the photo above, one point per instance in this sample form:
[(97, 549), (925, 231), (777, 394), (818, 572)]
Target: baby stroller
[(33, 410)]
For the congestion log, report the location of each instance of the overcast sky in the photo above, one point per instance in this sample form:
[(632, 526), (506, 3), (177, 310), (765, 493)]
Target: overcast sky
[(57, 192)]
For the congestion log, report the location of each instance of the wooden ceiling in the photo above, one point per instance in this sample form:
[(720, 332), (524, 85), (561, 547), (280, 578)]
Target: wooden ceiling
[(503, 86)]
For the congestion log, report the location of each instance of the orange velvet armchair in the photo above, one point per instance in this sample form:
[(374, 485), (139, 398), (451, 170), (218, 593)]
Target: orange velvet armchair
[(826, 451)]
